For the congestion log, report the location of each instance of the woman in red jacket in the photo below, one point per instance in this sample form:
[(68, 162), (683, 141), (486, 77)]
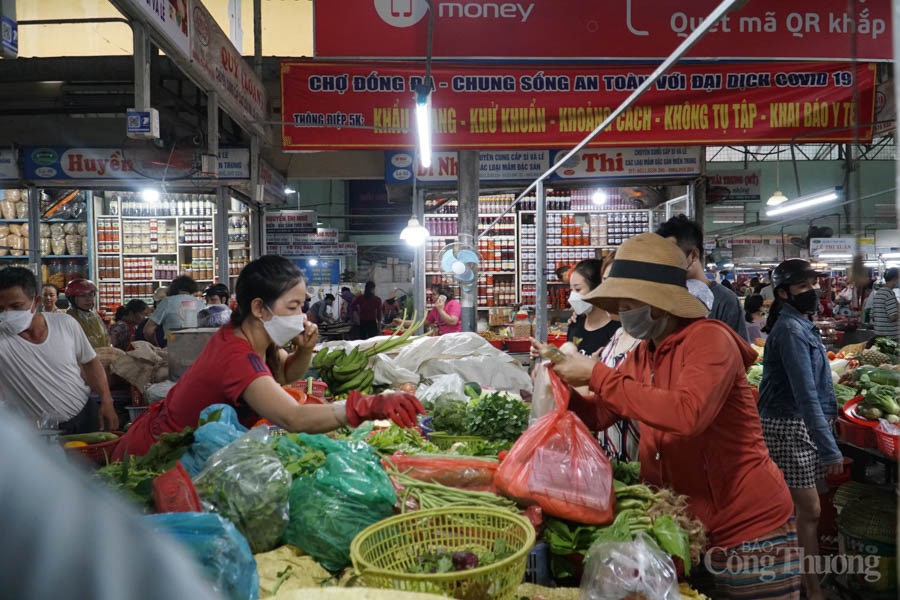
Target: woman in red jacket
[(700, 431)]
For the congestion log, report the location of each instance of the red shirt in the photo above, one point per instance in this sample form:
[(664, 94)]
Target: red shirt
[(368, 308), (700, 429), (224, 369)]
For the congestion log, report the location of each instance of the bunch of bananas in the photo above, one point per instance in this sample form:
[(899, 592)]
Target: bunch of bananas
[(344, 372)]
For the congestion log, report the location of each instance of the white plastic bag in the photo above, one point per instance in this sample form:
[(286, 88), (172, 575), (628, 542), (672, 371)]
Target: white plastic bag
[(618, 570), (542, 400), (451, 385)]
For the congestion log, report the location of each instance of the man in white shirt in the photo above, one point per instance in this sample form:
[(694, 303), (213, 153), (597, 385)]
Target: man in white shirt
[(47, 365)]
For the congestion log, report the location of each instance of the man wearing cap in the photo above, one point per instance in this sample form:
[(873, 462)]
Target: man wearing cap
[(725, 304), (47, 366), (686, 385)]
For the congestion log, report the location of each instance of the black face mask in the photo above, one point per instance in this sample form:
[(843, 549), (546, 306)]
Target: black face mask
[(806, 302)]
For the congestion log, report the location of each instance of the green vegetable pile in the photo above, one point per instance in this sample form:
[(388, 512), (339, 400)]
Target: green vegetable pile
[(844, 394), (887, 345), (754, 375), (133, 477), (662, 515), (297, 457), (446, 561), (480, 448), (449, 416), (415, 494), (497, 416), (397, 439)]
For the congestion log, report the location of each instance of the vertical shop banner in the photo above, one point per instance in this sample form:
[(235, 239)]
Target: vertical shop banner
[(733, 187), (580, 30), (228, 72), (332, 105)]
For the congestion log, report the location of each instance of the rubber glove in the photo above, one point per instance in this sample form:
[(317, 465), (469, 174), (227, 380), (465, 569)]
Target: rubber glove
[(399, 407)]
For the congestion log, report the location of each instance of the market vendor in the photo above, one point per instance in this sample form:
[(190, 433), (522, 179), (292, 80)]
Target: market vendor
[(593, 328), (244, 365), (686, 385), (797, 402), (83, 295), (446, 312)]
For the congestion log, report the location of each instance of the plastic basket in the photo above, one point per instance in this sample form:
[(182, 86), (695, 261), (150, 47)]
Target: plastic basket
[(384, 553), (537, 568), (858, 435), (319, 388), (558, 339), (97, 453), (445, 440), (888, 444), (498, 344), (518, 345)]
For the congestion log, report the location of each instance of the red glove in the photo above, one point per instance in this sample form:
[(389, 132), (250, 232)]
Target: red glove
[(399, 407)]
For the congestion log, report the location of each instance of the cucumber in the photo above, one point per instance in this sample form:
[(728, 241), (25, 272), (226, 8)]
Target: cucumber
[(89, 438)]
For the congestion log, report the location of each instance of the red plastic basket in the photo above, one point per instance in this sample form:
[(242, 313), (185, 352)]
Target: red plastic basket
[(319, 388), (858, 435), (97, 453), (888, 444), (851, 414), (498, 344), (173, 491), (518, 345), (557, 340)]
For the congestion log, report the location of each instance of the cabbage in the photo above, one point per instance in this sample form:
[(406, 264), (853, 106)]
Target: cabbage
[(754, 375)]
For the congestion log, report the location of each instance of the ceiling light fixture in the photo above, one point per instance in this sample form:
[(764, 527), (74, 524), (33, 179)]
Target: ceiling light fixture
[(807, 201)]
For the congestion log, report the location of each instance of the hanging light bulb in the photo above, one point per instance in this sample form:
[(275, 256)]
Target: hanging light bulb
[(777, 198), (414, 234)]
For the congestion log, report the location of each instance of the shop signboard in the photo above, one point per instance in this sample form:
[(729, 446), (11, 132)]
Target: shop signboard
[(579, 30), (735, 186), (61, 163), (319, 271), (822, 247), (168, 20), (291, 221), (9, 37), (226, 70), (494, 165), (616, 163), (336, 249), (9, 167), (336, 106), (319, 237), (273, 184)]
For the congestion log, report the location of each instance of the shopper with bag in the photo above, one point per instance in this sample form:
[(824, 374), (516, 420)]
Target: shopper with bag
[(244, 365), (686, 385)]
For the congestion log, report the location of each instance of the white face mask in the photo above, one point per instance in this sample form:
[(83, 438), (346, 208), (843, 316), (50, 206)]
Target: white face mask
[(14, 322), (578, 305), (640, 324), (282, 329)]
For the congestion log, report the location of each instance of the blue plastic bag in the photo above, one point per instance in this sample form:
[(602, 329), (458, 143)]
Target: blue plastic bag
[(220, 429), (344, 496), (218, 547)]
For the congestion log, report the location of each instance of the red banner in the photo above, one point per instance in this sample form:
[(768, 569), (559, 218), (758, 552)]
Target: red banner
[(328, 106), (579, 30)]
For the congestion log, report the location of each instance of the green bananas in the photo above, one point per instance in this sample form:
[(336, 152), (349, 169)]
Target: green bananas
[(344, 372)]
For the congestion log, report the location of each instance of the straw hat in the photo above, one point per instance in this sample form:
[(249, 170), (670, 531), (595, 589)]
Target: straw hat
[(650, 269)]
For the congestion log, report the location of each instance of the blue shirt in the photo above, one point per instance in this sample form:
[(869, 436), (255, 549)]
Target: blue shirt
[(796, 381)]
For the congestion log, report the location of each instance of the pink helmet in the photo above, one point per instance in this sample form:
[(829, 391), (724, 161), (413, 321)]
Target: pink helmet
[(80, 287)]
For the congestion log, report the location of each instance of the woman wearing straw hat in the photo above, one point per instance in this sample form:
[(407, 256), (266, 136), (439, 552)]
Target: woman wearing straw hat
[(686, 385)]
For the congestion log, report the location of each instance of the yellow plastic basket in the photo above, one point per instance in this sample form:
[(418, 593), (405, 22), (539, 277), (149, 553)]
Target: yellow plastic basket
[(383, 553), (444, 440)]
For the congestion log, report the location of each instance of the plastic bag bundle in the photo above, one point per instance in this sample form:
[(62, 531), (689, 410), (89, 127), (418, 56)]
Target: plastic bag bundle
[(637, 569), (344, 496), (558, 465), (246, 483), (218, 547), (542, 400), (220, 428)]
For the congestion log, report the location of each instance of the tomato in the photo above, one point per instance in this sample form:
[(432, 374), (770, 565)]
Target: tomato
[(852, 364), (831, 355), (840, 355)]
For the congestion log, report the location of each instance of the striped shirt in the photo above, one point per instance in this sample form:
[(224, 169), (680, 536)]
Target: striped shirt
[(884, 306)]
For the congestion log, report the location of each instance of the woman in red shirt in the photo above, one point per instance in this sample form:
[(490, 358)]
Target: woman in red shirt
[(244, 365), (701, 436)]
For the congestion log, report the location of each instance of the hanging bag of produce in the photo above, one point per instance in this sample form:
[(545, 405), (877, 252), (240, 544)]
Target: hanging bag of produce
[(558, 465)]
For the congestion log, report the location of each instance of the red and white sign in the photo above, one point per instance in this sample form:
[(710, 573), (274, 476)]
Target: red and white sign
[(340, 105), (169, 19), (291, 221), (611, 163), (237, 84), (580, 30)]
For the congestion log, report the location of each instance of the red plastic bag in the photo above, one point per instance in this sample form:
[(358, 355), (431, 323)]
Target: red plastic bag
[(173, 491), (462, 473), (558, 465)]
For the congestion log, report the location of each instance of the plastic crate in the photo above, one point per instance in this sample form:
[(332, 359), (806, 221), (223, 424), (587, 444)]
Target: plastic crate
[(888, 444), (518, 345), (537, 569), (858, 435)]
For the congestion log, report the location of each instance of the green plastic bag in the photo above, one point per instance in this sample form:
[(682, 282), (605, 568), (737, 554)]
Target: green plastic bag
[(344, 496)]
